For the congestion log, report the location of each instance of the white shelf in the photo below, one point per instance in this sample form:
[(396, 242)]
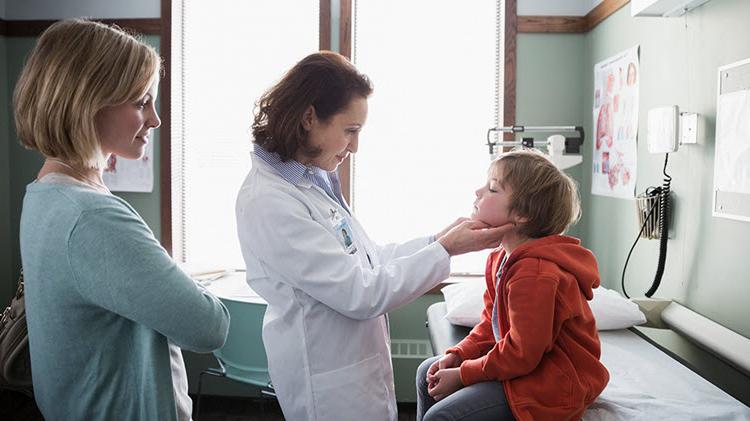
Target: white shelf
[(663, 8)]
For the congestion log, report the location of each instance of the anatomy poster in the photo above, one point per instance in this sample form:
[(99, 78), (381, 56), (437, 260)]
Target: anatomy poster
[(616, 125), (131, 175)]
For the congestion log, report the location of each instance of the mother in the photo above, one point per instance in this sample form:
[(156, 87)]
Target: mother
[(328, 286), (107, 309)]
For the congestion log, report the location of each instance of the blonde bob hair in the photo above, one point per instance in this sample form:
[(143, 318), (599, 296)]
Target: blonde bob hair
[(539, 191), (77, 68)]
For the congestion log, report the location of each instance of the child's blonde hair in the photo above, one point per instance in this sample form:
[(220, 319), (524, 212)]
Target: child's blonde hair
[(539, 191), (77, 68)]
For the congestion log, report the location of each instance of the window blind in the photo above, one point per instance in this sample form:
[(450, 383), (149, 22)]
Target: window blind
[(225, 54), (438, 76)]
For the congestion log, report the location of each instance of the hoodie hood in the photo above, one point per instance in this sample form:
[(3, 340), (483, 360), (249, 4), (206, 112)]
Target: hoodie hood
[(568, 254)]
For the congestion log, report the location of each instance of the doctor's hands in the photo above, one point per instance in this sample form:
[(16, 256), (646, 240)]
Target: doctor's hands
[(451, 226), (466, 235)]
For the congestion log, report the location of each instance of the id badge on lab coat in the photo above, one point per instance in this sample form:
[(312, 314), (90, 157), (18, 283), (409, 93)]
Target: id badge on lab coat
[(343, 233)]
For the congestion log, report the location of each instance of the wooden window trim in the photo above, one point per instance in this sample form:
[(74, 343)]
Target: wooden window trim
[(552, 24), (325, 22), (165, 133), (570, 24), (602, 11), (345, 49), (509, 69)]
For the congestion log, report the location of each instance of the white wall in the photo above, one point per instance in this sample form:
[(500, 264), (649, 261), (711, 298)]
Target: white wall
[(61, 9), (2, 9), (556, 7)]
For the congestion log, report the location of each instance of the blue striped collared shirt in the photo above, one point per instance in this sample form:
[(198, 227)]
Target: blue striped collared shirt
[(292, 171)]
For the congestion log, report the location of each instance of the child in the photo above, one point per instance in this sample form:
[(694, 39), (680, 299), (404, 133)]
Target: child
[(535, 353)]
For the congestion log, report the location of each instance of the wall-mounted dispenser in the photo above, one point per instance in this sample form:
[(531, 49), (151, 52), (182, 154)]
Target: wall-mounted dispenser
[(667, 130), (663, 129)]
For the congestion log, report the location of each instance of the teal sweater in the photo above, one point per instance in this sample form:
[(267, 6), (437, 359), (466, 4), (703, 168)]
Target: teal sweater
[(103, 298)]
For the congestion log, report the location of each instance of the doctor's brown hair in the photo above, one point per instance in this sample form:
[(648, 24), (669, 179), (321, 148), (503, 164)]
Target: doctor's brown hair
[(77, 68), (539, 191), (325, 80)]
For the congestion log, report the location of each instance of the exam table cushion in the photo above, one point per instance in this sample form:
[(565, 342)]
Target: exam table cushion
[(464, 305), (647, 384)]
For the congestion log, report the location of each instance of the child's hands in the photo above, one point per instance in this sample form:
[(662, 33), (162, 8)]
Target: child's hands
[(447, 381), (450, 360)]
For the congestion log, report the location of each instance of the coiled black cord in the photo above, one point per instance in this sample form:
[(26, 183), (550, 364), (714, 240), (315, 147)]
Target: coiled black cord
[(663, 228), (663, 193)]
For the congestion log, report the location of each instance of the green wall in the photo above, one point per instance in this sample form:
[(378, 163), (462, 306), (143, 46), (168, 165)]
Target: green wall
[(6, 285), (550, 88), (707, 266), (22, 166)]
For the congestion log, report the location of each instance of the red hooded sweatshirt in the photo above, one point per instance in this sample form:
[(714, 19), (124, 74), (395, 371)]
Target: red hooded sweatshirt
[(548, 353)]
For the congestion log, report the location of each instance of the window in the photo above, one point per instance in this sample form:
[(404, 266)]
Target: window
[(438, 76), (225, 54)]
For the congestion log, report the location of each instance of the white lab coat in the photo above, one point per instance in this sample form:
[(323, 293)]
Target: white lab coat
[(324, 330)]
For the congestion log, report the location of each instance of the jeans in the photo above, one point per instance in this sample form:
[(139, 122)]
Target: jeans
[(478, 402)]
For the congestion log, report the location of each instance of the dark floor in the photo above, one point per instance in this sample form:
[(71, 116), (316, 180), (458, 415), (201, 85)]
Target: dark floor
[(16, 406), (214, 408), (19, 407)]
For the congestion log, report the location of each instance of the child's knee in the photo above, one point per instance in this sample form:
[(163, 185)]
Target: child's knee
[(433, 415)]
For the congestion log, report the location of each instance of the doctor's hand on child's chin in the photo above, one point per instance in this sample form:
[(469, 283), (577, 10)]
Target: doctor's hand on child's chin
[(469, 235), (447, 381), (451, 226)]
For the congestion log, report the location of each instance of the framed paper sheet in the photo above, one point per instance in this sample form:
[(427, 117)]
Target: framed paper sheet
[(731, 192), (131, 175)]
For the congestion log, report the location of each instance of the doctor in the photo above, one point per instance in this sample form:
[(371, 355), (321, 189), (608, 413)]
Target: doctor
[(325, 332)]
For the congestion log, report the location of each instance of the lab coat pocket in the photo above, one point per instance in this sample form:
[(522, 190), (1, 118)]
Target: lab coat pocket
[(355, 392)]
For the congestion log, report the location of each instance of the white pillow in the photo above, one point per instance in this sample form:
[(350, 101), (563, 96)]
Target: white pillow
[(613, 311), (465, 302)]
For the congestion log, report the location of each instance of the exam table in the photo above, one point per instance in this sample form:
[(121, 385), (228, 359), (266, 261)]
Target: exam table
[(645, 383)]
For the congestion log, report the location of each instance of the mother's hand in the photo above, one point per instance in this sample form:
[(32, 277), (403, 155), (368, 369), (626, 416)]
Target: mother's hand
[(470, 236)]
